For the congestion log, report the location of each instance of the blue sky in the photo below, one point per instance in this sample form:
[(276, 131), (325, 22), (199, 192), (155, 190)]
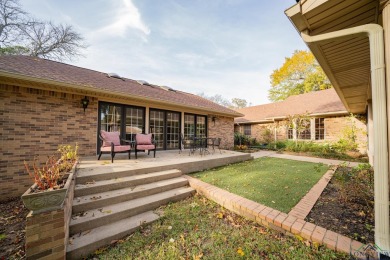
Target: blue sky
[(226, 47)]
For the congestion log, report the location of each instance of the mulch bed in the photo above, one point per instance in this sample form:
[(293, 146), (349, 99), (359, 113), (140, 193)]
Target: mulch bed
[(12, 229), (352, 219)]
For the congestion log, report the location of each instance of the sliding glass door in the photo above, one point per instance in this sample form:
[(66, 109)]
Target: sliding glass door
[(110, 117), (173, 130), (195, 126), (165, 125), (128, 120), (156, 125)]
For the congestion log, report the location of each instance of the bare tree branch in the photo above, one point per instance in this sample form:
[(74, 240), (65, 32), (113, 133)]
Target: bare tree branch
[(12, 18), (22, 34)]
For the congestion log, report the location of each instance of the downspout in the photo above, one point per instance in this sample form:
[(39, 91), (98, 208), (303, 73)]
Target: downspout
[(381, 165)]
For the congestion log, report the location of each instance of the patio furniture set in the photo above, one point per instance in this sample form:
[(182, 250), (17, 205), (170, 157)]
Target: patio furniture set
[(112, 143), (200, 143)]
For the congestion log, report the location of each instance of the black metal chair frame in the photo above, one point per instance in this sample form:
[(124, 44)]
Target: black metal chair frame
[(112, 152), (217, 142)]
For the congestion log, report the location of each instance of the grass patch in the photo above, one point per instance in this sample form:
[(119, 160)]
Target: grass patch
[(197, 228), (2, 236), (274, 182)]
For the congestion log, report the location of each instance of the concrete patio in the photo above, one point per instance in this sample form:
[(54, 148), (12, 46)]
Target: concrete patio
[(165, 160)]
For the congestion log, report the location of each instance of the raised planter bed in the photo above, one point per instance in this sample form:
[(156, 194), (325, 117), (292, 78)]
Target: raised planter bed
[(48, 200)]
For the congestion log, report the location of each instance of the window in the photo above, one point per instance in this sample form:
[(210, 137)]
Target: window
[(290, 133), (305, 134), (194, 125), (247, 130), (305, 130), (189, 126), (128, 120), (320, 128), (201, 126), (135, 122), (165, 125)]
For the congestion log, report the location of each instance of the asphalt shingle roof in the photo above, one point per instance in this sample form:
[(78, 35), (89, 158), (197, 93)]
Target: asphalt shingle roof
[(318, 102), (64, 73)]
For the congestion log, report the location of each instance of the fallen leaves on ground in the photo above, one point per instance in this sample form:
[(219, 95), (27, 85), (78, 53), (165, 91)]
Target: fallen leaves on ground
[(240, 252)]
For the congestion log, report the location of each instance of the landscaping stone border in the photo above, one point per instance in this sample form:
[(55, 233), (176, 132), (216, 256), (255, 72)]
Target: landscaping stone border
[(277, 220), (304, 206)]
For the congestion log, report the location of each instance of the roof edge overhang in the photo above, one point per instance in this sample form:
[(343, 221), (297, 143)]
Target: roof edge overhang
[(279, 118), (47, 84), (297, 16), (313, 42)]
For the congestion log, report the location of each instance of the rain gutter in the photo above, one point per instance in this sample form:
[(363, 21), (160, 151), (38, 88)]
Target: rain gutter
[(381, 164)]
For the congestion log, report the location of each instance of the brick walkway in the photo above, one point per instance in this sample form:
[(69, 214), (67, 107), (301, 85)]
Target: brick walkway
[(275, 219)]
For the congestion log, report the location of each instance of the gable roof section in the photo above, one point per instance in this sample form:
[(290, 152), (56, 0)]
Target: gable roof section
[(325, 102), (56, 73)]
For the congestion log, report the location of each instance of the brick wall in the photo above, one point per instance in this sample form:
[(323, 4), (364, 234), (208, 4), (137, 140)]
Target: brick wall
[(223, 128), (33, 124), (336, 126), (259, 131), (334, 129)]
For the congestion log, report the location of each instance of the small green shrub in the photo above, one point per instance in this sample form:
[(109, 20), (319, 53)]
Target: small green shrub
[(357, 184), (343, 145), (240, 139), (267, 136), (278, 145)]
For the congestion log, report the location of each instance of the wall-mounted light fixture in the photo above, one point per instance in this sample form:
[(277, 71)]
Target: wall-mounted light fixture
[(214, 118), (85, 102)]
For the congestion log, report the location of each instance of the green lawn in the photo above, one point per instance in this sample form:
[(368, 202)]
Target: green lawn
[(197, 228), (277, 183)]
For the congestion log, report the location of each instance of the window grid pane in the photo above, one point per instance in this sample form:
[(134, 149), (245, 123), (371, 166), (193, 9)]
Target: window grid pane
[(247, 130), (189, 126), (134, 122), (320, 128), (157, 127), (200, 126), (110, 118), (173, 130), (305, 133), (290, 133)]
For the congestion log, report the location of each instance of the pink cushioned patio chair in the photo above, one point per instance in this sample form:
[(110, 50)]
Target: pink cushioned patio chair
[(111, 143), (144, 142)]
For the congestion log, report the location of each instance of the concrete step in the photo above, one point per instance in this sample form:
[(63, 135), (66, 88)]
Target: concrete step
[(109, 173), (115, 212), (104, 199), (125, 182), (81, 246)]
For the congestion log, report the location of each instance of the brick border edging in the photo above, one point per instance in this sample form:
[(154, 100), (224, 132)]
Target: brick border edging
[(275, 219), (304, 206)]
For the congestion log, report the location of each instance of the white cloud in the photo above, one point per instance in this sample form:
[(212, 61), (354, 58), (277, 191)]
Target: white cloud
[(194, 59), (126, 16)]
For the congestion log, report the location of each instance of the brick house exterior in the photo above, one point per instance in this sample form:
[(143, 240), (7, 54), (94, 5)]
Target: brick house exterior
[(42, 109), (329, 120)]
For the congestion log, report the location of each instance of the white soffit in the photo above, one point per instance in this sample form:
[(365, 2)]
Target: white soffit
[(346, 62)]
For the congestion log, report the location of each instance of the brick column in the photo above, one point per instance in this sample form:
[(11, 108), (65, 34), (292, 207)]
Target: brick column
[(45, 235)]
